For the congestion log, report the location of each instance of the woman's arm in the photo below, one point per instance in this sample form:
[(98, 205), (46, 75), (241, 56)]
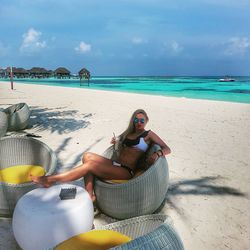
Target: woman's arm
[(165, 150)]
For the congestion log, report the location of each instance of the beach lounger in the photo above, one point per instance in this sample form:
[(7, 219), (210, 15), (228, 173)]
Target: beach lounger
[(19, 151), (18, 116), (141, 195)]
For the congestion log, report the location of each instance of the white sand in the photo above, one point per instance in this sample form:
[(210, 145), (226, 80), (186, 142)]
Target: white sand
[(208, 198)]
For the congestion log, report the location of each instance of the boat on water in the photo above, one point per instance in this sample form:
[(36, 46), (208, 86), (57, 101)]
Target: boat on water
[(226, 79)]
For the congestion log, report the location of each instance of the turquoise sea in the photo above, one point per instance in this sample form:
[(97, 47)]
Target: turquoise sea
[(190, 87)]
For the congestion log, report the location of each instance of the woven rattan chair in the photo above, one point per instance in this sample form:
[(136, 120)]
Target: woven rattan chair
[(3, 123), (148, 232), (139, 196), (18, 116), (22, 151)]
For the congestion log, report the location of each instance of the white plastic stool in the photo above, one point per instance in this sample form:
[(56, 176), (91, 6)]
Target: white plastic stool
[(42, 220)]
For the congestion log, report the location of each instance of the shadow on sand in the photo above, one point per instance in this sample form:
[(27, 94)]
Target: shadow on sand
[(57, 120), (202, 186), (77, 157)]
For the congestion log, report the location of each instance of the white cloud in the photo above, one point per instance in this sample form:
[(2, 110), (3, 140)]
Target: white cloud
[(176, 47), (237, 46), (83, 47), (32, 41), (138, 40)]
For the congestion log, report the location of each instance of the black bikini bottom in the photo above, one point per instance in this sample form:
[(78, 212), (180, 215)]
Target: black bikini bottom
[(131, 172)]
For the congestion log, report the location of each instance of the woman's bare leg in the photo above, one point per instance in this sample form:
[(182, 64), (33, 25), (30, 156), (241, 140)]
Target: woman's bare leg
[(70, 175), (89, 178), (89, 156), (89, 185), (94, 164)]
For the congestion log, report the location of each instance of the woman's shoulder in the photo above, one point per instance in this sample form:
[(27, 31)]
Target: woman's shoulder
[(151, 134), (145, 133)]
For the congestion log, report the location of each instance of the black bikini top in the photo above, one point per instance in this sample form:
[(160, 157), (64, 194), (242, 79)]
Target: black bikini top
[(137, 141)]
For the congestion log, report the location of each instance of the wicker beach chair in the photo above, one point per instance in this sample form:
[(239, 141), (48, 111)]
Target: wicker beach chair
[(18, 116), (147, 232), (3, 124), (22, 151), (139, 196)]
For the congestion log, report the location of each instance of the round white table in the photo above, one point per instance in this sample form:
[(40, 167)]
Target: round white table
[(42, 220)]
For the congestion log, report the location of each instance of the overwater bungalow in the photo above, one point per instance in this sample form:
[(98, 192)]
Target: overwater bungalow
[(62, 72), (37, 72), (16, 72), (20, 73), (3, 73), (84, 74)]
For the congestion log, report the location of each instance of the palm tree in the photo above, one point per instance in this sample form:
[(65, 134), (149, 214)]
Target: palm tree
[(84, 73)]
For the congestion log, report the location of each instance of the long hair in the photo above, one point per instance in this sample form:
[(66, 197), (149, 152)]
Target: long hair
[(131, 127)]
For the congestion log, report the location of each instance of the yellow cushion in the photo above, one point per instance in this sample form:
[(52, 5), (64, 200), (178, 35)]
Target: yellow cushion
[(116, 181), (138, 173), (94, 240), (20, 174)]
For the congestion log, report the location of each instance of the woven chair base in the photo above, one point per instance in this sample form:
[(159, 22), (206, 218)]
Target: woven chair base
[(22, 151), (18, 116), (139, 196), (148, 232), (3, 123)]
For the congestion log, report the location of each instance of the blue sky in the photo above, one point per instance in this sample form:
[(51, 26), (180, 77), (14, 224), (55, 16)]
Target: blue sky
[(125, 37)]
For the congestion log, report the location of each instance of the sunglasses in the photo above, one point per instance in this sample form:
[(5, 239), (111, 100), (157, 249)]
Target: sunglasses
[(141, 120)]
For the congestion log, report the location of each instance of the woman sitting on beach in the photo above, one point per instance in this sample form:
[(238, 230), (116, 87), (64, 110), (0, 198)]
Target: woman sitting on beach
[(134, 142)]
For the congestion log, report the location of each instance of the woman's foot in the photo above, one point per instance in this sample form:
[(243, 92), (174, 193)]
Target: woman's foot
[(42, 180), (91, 195)]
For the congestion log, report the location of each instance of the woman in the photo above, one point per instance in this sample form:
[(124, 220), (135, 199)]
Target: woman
[(133, 143)]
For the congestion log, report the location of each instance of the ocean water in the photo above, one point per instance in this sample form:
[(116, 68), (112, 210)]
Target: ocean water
[(190, 87)]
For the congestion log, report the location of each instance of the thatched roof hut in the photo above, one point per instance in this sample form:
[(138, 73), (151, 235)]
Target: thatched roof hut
[(14, 71), (3, 73), (62, 72), (20, 72), (8, 69), (38, 72), (84, 74)]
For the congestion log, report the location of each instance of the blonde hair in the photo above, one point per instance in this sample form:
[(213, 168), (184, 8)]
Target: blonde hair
[(130, 129), (131, 126)]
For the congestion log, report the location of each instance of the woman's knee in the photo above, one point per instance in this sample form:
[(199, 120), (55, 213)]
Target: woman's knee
[(87, 156), (92, 166)]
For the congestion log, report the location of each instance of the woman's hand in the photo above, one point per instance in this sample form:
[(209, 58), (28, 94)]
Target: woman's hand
[(113, 140), (152, 158)]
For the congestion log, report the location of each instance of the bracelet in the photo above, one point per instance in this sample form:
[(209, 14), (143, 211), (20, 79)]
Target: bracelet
[(158, 154), (159, 151)]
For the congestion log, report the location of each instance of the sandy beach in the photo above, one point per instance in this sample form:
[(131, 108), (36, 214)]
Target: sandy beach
[(208, 197)]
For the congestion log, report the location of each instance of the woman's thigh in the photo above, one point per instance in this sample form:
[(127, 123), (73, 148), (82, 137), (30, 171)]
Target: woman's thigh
[(89, 156), (105, 169)]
